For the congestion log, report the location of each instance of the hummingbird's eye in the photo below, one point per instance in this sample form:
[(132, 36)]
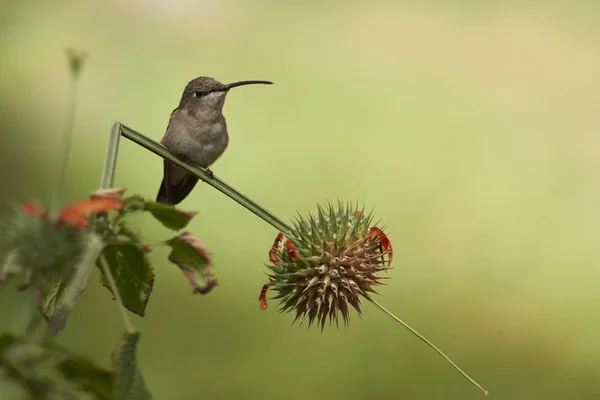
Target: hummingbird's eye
[(198, 94)]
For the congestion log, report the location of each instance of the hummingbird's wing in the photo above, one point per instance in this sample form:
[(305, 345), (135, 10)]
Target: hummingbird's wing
[(177, 183)]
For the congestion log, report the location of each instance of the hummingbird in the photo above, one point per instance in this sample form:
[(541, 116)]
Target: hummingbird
[(196, 133)]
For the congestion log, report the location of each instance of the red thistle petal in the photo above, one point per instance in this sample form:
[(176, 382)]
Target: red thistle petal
[(385, 246), (291, 250), (78, 213), (273, 252), (262, 298)]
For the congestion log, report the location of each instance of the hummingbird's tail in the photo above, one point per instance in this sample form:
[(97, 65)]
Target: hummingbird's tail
[(161, 197), (176, 193)]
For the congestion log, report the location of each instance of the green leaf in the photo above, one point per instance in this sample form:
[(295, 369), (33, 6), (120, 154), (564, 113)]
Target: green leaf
[(194, 260), (26, 365), (86, 377), (133, 275), (130, 383), (171, 217), (51, 294)]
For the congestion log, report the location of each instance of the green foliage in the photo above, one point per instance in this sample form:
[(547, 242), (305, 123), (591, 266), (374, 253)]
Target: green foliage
[(130, 384), (40, 246), (47, 371), (171, 217), (76, 285), (85, 376), (127, 255), (133, 275), (54, 290), (57, 255)]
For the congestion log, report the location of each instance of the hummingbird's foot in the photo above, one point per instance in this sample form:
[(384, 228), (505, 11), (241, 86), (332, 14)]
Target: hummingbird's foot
[(209, 173)]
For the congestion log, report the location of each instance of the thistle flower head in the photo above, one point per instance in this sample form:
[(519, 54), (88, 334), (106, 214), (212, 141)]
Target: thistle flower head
[(326, 263)]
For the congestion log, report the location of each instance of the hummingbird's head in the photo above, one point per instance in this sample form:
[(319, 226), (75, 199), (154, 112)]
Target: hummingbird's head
[(206, 94)]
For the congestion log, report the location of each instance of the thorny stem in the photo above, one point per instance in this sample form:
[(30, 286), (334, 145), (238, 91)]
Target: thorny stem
[(115, 290), (136, 137), (427, 342)]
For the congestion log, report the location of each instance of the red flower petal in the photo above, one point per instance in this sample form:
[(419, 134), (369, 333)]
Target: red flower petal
[(34, 209), (273, 252), (78, 213), (262, 298), (385, 246), (291, 250)]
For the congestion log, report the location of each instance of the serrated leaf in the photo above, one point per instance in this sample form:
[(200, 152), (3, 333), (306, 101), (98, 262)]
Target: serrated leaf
[(194, 259), (169, 216), (133, 275), (130, 384)]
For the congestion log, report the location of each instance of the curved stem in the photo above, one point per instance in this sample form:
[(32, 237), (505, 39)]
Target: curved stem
[(156, 148), (110, 162), (428, 343)]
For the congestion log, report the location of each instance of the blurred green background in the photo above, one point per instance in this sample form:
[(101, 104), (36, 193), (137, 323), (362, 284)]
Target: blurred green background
[(472, 128)]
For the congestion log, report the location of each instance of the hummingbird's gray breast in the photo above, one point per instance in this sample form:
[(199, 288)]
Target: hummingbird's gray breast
[(200, 139)]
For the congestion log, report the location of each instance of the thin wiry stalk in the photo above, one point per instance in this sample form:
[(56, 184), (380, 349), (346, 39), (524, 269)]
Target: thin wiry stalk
[(428, 343), (76, 64), (136, 137), (115, 291)]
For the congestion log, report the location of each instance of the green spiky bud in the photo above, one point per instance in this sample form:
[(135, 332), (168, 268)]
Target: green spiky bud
[(42, 247), (327, 263)]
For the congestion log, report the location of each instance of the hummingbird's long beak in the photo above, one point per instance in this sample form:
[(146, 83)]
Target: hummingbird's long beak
[(241, 83)]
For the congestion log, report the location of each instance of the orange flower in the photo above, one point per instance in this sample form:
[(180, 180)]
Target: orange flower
[(79, 213)]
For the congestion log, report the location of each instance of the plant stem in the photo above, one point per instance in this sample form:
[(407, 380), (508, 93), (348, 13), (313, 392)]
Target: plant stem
[(76, 285), (110, 162), (68, 138), (136, 137), (115, 290), (427, 342)]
